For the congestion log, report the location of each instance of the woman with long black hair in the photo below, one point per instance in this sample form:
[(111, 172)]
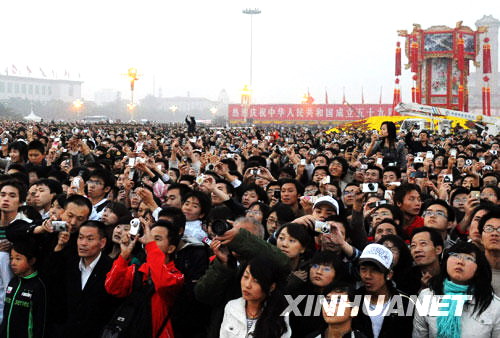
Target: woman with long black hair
[(258, 312), (386, 145), (465, 271)]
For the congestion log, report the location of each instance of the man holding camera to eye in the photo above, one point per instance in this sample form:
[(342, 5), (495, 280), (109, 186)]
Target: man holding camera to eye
[(232, 249), (160, 242), (420, 146)]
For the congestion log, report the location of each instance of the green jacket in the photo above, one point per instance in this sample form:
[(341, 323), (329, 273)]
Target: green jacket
[(25, 308), (221, 283)]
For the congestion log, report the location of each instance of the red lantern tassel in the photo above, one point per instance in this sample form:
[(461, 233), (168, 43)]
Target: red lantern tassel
[(488, 107), (419, 95), (460, 53), (413, 95), (484, 100), (414, 57), (398, 59), (466, 99), (461, 97), (486, 56), (396, 100)]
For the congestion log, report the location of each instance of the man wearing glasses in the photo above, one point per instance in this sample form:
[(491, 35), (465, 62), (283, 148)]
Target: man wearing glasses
[(440, 216), (489, 228), (98, 186)]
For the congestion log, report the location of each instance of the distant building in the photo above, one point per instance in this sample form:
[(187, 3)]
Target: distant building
[(39, 89), (104, 96), (197, 106)]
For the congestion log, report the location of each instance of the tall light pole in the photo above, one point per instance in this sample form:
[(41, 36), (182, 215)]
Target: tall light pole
[(252, 12), (78, 105), (132, 75)]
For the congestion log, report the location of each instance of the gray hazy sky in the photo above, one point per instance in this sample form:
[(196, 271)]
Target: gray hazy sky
[(201, 46)]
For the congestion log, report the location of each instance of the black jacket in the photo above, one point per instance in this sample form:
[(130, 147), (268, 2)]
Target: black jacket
[(85, 311), (392, 326), (192, 260), (25, 308)]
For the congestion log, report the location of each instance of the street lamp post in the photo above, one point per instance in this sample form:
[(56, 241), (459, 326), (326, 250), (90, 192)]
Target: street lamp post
[(173, 108), (78, 104), (132, 75), (251, 12)]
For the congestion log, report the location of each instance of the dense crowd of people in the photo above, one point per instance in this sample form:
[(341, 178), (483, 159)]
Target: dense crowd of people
[(162, 231)]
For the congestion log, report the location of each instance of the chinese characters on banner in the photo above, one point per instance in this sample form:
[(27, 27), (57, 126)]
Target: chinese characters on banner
[(276, 113)]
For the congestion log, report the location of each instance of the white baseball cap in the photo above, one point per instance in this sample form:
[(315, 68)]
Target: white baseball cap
[(378, 254), (327, 200)]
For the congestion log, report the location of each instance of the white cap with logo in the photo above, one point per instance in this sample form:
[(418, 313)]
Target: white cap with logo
[(378, 254), (327, 200)]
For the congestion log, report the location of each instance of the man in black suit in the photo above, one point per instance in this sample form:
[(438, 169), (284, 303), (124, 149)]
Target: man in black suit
[(88, 305)]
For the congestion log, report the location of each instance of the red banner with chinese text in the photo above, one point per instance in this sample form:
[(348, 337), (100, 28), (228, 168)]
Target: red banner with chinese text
[(299, 112)]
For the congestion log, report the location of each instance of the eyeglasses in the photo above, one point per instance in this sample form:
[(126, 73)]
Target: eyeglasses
[(462, 257), (322, 267), (485, 196), (272, 221), (460, 200), (94, 182), (434, 213), (489, 228), (310, 192), (352, 192)]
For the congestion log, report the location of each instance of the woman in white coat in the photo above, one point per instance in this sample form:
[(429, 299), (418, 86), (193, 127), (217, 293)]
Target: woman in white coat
[(465, 271), (258, 312)]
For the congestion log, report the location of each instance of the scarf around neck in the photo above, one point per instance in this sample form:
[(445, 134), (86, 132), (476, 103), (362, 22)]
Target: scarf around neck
[(450, 326)]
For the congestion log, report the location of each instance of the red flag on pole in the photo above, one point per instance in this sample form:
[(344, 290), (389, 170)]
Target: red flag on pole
[(380, 97), (28, 69), (343, 96), (326, 97), (43, 73), (362, 96)]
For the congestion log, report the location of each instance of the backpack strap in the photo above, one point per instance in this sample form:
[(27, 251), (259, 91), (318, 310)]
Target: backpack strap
[(163, 324)]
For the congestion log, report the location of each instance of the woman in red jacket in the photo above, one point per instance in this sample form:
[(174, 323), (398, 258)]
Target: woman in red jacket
[(160, 241)]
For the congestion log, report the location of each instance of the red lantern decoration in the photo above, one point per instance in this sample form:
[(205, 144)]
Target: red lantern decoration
[(460, 53), (413, 94), (414, 56), (419, 95), (486, 56), (398, 59)]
